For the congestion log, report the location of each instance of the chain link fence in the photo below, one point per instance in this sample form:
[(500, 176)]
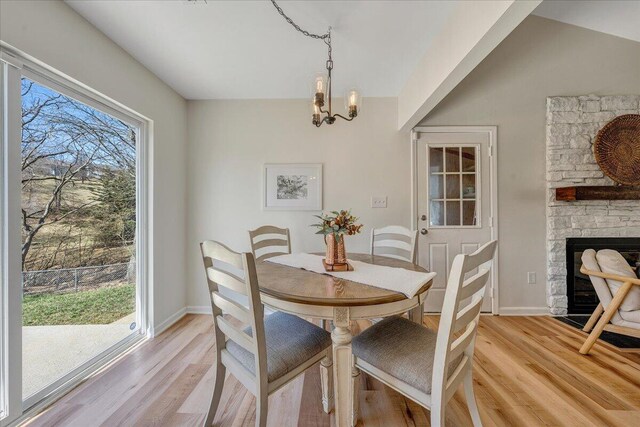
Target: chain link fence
[(76, 279)]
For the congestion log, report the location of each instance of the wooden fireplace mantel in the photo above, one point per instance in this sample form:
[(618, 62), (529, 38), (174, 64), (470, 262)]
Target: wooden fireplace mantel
[(609, 192)]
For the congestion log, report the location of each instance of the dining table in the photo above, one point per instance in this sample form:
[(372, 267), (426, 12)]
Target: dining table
[(322, 296)]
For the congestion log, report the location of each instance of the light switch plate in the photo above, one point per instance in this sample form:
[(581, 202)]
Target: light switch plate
[(531, 278), (378, 201)]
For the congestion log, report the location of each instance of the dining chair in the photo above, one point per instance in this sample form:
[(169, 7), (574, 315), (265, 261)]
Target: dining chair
[(264, 354), (397, 242), (618, 289), (421, 364), (269, 241), (394, 241)]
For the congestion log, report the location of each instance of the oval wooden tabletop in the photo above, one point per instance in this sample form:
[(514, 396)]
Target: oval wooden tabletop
[(306, 287)]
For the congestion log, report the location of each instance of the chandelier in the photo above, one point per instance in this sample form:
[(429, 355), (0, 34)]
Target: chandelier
[(321, 87)]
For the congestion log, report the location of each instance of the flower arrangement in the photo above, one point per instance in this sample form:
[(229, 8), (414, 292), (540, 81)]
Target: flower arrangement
[(338, 223), (333, 226)]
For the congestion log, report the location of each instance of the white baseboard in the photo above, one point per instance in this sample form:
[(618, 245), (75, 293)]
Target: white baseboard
[(168, 322), (198, 309), (524, 311)]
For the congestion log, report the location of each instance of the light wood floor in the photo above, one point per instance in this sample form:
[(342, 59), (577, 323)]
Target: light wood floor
[(528, 372)]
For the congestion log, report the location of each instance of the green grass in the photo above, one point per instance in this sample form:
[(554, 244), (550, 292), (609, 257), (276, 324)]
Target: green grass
[(93, 307)]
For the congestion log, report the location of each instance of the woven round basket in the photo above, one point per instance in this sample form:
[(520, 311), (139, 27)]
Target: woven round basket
[(617, 149)]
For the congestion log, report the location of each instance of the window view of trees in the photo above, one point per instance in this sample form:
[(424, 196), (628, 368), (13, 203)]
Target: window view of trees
[(78, 203)]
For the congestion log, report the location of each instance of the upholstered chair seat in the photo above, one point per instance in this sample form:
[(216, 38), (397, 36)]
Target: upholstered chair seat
[(401, 348), (290, 341)]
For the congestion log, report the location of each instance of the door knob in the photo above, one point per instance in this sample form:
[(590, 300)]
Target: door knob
[(424, 231), (423, 217)]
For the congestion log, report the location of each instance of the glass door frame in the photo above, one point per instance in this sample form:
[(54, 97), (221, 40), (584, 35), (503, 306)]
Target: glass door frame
[(478, 185), (16, 65)]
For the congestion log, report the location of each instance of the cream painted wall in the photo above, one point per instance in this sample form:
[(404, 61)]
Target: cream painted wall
[(229, 141), (509, 88), (53, 33)]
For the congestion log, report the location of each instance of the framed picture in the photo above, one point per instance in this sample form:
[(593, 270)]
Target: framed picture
[(293, 187)]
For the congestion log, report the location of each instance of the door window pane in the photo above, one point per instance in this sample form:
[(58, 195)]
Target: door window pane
[(468, 186), (436, 216), (452, 158), (453, 213), (469, 213), (436, 187), (468, 159), (436, 163), (453, 186)]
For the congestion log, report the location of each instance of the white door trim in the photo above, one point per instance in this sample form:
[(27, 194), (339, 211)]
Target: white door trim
[(492, 133)]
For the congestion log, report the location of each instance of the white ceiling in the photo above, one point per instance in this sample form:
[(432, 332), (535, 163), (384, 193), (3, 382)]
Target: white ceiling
[(619, 18), (245, 49)]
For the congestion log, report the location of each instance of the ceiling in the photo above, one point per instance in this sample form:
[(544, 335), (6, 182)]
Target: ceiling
[(619, 18), (245, 49)]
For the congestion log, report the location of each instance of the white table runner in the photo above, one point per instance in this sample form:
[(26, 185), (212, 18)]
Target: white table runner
[(391, 278)]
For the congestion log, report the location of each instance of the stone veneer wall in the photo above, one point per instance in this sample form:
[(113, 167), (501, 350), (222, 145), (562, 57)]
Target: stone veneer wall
[(572, 124)]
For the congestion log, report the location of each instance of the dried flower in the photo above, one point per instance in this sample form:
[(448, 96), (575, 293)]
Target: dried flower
[(338, 223)]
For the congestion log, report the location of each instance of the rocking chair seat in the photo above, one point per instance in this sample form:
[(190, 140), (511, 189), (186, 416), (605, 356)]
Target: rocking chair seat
[(631, 318)]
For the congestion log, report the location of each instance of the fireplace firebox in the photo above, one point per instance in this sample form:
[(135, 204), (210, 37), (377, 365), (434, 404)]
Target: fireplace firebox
[(581, 295)]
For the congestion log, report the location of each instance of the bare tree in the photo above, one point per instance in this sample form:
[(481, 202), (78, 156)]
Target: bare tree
[(63, 143)]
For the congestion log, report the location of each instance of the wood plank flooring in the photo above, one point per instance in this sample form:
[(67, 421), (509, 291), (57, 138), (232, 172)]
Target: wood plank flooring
[(527, 372)]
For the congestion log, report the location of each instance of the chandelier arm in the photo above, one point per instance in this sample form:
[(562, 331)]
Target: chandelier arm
[(343, 117), (297, 27)]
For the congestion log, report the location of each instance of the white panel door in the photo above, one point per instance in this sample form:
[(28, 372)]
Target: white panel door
[(453, 203)]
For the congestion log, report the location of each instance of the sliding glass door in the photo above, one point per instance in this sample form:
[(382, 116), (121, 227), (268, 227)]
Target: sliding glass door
[(73, 233)]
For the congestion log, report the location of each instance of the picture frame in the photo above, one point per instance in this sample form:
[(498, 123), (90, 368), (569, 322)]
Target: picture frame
[(292, 187)]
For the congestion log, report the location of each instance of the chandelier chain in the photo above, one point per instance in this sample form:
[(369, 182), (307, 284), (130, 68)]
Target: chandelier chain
[(297, 27)]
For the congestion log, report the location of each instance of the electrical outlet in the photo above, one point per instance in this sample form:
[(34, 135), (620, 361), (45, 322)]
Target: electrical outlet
[(378, 201), (531, 278)]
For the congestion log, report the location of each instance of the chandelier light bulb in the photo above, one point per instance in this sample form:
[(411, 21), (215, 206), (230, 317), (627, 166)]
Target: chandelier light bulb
[(352, 102), (319, 88)]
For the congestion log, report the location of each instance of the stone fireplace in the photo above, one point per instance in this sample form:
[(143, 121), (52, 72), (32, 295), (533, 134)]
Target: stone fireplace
[(572, 124)]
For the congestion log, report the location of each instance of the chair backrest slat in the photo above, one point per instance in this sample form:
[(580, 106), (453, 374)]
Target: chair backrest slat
[(467, 314), (460, 344), (227, 305), (457, 317), (268, 241), (236, 334), (474, 284), (227, 280), (394, 241), (232, 271)]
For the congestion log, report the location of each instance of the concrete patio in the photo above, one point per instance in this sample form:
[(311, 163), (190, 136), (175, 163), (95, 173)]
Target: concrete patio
[(50, 352)]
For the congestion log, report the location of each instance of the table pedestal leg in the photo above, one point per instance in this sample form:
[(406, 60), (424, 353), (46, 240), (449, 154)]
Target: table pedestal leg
[(416, 313), (342, 368)]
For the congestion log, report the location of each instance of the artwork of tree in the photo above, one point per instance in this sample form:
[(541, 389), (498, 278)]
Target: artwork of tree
[(292, 187)]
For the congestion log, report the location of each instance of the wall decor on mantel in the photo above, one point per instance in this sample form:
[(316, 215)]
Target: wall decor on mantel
[(572, 125), (617, 152)]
